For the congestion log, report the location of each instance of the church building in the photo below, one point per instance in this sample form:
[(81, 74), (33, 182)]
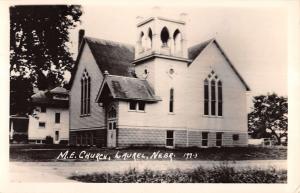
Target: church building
[(156, 93)]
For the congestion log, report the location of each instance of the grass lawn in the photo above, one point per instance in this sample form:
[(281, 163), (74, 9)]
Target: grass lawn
[(51, 152), (219, 174)]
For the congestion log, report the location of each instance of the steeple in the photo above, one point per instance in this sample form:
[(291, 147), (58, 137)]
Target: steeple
[(161, 36)]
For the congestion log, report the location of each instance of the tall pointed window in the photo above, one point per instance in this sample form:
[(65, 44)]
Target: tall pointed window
[(220, 106), (171, 102), (85, 107), (206, 97), (213, 95)]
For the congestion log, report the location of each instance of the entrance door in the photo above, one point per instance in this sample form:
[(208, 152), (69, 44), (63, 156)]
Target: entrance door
[(111, 133), (112, 127)]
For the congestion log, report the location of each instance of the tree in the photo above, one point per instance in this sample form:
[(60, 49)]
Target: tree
[(39, 47), (269, 117)]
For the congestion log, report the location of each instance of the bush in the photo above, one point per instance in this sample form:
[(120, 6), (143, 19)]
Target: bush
[(20, 138), (219, 174), (63, 142), (49, 140)]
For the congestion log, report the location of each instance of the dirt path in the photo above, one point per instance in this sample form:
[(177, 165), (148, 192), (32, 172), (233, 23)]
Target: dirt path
[(59, 171)]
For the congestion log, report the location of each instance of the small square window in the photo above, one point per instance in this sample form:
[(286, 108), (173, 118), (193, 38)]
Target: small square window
[(141, 106), (43, 109), (132, 105), (235, 137), (42, 124)]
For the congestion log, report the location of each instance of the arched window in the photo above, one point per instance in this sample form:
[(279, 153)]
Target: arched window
[(213, 95), (141, 41), (220, 98), (171, 102), (149, 39), (164, 36), (206, 97), (85, 94), (177, 41)]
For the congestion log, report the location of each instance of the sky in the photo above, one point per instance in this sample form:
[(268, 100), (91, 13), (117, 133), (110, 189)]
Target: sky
[(254, 38)]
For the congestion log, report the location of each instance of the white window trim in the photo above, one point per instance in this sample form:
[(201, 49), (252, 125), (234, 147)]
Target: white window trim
[(136, 108), (216, 100), (204, 146), (170, 138)]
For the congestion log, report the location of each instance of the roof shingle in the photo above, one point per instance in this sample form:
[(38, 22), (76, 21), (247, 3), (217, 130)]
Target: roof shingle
[(113, 57), (128, 88)]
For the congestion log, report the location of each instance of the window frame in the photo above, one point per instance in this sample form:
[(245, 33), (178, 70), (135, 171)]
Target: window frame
[(137, 106), (43, 109), (220, 140), (85, 99), (235, 137), (57, 119), (42, 127), (56, 136), (129, 105), (204, 140), (213, 96), (170, 138), (171, 101)]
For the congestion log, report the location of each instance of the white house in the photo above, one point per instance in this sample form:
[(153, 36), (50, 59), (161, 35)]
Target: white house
[(50, 116), (159, 93)]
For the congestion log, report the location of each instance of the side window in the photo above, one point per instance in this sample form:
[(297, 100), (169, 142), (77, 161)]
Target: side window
[(42, 125), (235, 137), (141, 106), (213, 95), (57, 117), (218, 139), (170, 138), (171, 101), (43, 109), (85, 100), (132, 105), (137, 106), (204, 139)]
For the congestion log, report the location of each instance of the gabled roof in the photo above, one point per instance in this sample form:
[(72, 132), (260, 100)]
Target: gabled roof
[(127, 88), (110, 56), (46, 97), (196, 50), (59, 90)]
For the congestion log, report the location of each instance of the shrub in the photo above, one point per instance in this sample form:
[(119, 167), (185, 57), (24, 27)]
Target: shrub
[(20, 138), (63, 142), (218, 174)]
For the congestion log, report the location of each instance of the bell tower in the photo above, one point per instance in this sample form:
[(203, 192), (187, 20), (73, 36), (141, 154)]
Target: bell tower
[(159, 35), (161, 47)]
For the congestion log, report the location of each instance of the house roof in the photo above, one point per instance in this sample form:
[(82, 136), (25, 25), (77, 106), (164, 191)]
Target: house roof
[(59, 90), (128, 88), (196, 50), (114, 57), (46, 97)]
